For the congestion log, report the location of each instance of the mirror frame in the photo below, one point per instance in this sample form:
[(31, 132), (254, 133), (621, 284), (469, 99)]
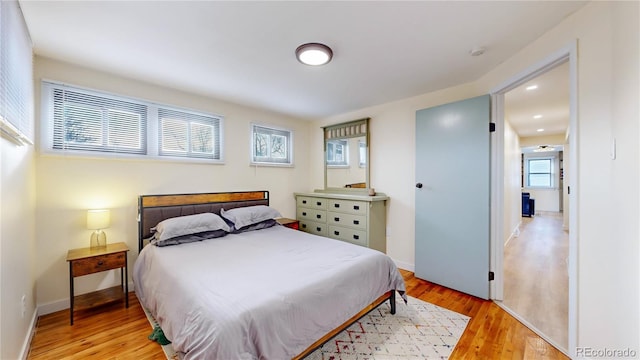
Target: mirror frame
[(346, 130)]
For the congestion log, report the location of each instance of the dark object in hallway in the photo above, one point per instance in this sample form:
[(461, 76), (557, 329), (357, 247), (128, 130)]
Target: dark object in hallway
[(528, 205)]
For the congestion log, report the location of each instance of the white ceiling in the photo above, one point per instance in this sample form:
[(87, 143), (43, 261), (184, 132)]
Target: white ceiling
[(243, 52), (550, 100)]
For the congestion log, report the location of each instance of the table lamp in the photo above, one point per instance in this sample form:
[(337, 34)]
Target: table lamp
[(98, 220)]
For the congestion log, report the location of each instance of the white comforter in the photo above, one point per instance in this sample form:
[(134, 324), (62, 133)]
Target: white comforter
[(265, 294)]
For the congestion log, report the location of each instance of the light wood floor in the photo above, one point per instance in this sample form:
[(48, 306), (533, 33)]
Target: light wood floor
[(536, 280), (114, 332)]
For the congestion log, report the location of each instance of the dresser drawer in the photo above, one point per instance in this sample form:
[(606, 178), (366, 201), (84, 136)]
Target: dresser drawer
[(313, 227), (350, 220), (311, 215), (348, 206), (354, 236), (311, 202), (98, 263)]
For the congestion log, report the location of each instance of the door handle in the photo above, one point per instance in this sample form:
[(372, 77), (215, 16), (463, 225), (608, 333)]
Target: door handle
[(419, 185)]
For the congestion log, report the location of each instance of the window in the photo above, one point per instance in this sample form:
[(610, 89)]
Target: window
[(271, 146), (90, 122), (87, 122), (188, 134), (16, 75), (539, 172), (337, 153)]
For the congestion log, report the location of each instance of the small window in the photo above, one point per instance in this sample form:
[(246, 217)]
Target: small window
[(337, 153), (88, 122), (188, 134), (271, 146), (539, 172)]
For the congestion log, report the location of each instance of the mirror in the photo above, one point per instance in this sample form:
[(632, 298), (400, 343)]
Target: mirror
[(346, 154)]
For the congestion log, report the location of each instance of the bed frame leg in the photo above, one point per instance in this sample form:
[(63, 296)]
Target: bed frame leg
[(392, 302)]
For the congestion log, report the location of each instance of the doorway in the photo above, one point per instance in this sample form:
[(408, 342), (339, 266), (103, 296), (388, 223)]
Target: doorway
[(552, 199)]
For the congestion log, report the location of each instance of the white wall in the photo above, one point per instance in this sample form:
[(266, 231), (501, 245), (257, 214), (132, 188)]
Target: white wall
[(67, 186), (17, 234), (512, 182), (607, 194)]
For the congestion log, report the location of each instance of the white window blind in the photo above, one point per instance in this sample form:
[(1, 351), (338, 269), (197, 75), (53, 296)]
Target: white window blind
[(188, 134), (16, 74), (88, 121)]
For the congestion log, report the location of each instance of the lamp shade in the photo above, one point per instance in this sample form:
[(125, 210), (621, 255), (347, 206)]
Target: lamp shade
[(98, 219)]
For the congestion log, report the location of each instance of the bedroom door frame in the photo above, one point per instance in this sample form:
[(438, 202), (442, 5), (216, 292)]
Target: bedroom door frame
[(566, 54)]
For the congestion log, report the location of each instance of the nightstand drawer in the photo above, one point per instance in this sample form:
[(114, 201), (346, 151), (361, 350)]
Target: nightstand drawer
[(98, 263)]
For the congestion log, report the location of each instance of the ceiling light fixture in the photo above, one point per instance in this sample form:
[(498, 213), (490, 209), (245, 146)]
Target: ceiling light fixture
[(537, 116), (540, 130), (544, 148), (314, 54), (531, 87)]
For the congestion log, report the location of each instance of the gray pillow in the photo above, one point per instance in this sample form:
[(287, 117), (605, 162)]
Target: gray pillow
[(249, 215), (190, 224), (189, 238)]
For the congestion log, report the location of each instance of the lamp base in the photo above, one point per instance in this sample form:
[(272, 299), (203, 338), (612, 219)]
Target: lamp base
[(98, 239)]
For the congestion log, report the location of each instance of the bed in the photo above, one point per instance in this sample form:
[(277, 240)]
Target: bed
[(268, 293)]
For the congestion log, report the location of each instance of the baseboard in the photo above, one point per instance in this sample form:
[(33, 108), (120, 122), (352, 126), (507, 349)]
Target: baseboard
[(26, 345), (514, 233), (404, 265)]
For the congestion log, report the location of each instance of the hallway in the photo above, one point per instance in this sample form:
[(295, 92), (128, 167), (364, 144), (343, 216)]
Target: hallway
[(535, 275)]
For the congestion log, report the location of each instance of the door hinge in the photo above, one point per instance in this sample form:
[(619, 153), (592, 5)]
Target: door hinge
[(492, 275), (492, 127)]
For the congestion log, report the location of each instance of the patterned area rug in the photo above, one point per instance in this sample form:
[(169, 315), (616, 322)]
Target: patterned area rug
[(418, 330)]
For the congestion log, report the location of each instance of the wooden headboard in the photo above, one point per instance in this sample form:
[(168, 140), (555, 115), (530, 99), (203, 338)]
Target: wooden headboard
[(154, 208)]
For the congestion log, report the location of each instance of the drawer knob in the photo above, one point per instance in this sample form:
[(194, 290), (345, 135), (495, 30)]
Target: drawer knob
[(356, 222), (336, 219), (336, 205), (356, 237), (336, 232), (304, 213), (304, 226), (319, 203), (318, 216), (304, 201), (356, 207), (318, 229), (100, 263)]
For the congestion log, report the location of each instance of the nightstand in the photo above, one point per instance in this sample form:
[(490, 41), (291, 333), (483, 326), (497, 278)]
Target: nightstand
[(86, 261), (290, 223)]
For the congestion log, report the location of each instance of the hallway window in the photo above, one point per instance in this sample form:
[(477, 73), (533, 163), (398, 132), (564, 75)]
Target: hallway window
[(539, 172)]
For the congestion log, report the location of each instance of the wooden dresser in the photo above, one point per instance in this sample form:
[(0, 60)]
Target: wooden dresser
[(358, 219)]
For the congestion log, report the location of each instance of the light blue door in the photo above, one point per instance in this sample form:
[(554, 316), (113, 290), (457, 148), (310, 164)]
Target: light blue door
[(452, 195)]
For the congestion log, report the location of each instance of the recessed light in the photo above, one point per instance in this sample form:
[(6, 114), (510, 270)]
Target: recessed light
[(540, 130), (531, 87), (314, 54), (538, 116)]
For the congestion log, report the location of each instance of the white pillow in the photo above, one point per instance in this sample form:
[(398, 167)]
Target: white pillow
[(190, 224), (249, 215)]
